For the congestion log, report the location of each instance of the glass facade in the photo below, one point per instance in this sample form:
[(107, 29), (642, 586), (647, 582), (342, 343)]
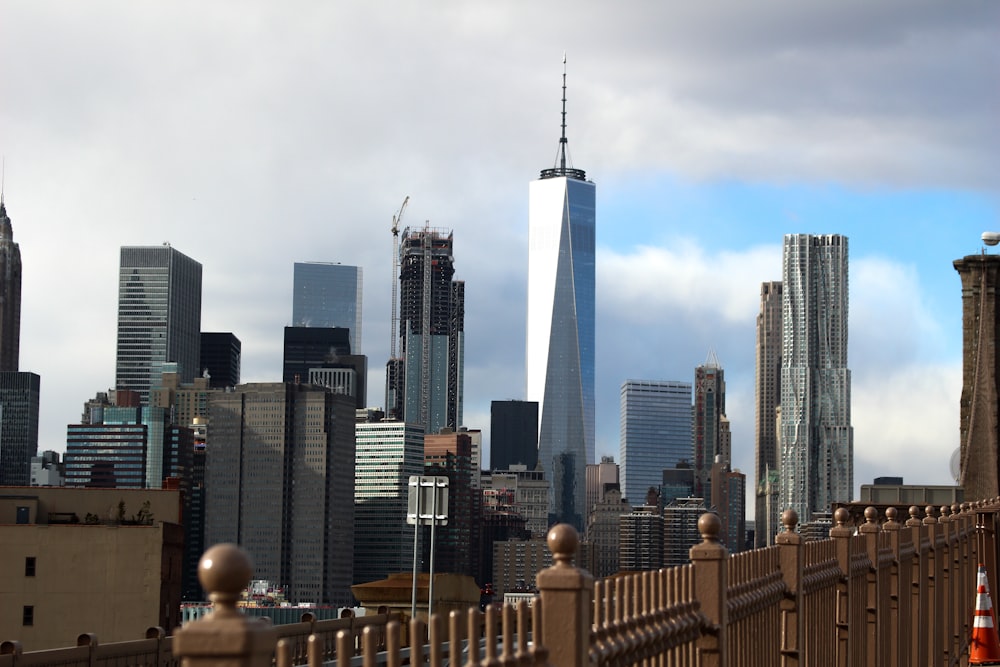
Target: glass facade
[(387, 454), (655, 433), (560, 335), (328, 295), (816, 439), (19, 394), (159, 317)]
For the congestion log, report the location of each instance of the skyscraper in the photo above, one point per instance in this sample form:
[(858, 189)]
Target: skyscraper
[(979, 468), (767, 398), (387, 454), (817, 440), (709, 412), (328, 295), (221, 353), (10, 294), (513, 434), (427, 386), (655, 433), (279, 481), (560, 330), (19, 393), (159, 317)]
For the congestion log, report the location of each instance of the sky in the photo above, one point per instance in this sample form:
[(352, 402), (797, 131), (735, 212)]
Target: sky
[(252, 135)]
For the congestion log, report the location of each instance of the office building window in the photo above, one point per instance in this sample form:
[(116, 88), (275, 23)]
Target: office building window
[(28, 615), (29, 566)]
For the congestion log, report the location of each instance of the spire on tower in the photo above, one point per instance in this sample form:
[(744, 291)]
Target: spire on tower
[(561, 169)]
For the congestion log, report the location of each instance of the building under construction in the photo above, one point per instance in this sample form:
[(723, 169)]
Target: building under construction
[(425, 383), (979, 469)]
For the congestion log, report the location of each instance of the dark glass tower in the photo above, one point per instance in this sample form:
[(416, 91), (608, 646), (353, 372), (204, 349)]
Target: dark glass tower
[(159, 317), (18, 426), (513, 434), (220, 356), (328, 295), (10, 294), (427, 382)]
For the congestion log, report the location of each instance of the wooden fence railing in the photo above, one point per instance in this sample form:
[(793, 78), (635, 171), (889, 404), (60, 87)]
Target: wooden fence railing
[(887, 593)]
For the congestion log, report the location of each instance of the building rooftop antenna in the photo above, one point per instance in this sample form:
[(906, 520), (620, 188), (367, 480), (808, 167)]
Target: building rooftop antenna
[(562, 169)]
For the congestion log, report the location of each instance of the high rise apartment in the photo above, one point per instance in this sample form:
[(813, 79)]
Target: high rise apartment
[(979, 468), (328, 295), (709, 414), (600, 477), (817, 440), (560, 330), (279, 482), (655, 433), (10, 294), (159, 316), (425, 386), (387, 454), (767, 398)]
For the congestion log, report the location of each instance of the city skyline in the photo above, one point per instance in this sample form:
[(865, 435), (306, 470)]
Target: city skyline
[(708, 140)]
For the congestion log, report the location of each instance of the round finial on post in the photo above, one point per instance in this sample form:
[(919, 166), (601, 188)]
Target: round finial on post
[(890, 514), (224, 571), (709, 525), (789, 519), (563, 541), (945, 511), (841, 516), (871, 515)]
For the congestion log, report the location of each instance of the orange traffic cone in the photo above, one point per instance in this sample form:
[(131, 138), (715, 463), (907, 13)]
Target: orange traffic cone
[(983, 580), (984, 649)]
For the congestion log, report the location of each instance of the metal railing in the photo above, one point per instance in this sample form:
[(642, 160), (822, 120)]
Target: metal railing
[(887, 593)]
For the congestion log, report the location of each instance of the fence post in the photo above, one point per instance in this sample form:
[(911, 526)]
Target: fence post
[(567, 594), (791, 558), (918, 588), (711, 571), (841, 535), (225, 636), (870, 529), (899, 591), (935, 576)]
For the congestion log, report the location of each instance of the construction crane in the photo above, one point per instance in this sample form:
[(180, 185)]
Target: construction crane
[(394, 320)]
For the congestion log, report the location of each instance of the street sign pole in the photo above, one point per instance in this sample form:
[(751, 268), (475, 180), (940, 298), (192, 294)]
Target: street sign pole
[(419, 514)]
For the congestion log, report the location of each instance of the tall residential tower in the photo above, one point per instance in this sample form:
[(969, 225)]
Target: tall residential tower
[(560, 331), (426, 383), (767, 398), (817, 440), (159, 317)]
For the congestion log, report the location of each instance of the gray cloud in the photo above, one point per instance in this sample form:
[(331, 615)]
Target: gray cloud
[(254, 135)]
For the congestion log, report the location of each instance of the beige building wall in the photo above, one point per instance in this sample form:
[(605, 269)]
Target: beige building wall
[(65, 579)]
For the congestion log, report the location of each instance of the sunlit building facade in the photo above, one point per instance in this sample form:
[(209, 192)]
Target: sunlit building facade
[(159, 317), (560, 330), (655, 433), (817, 440)]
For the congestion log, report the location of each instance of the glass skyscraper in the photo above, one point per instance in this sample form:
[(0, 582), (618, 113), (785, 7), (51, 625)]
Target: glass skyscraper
[(655, 433), (560, 330), (159, 317), (328, 295), (387, 454), (816, 439)]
